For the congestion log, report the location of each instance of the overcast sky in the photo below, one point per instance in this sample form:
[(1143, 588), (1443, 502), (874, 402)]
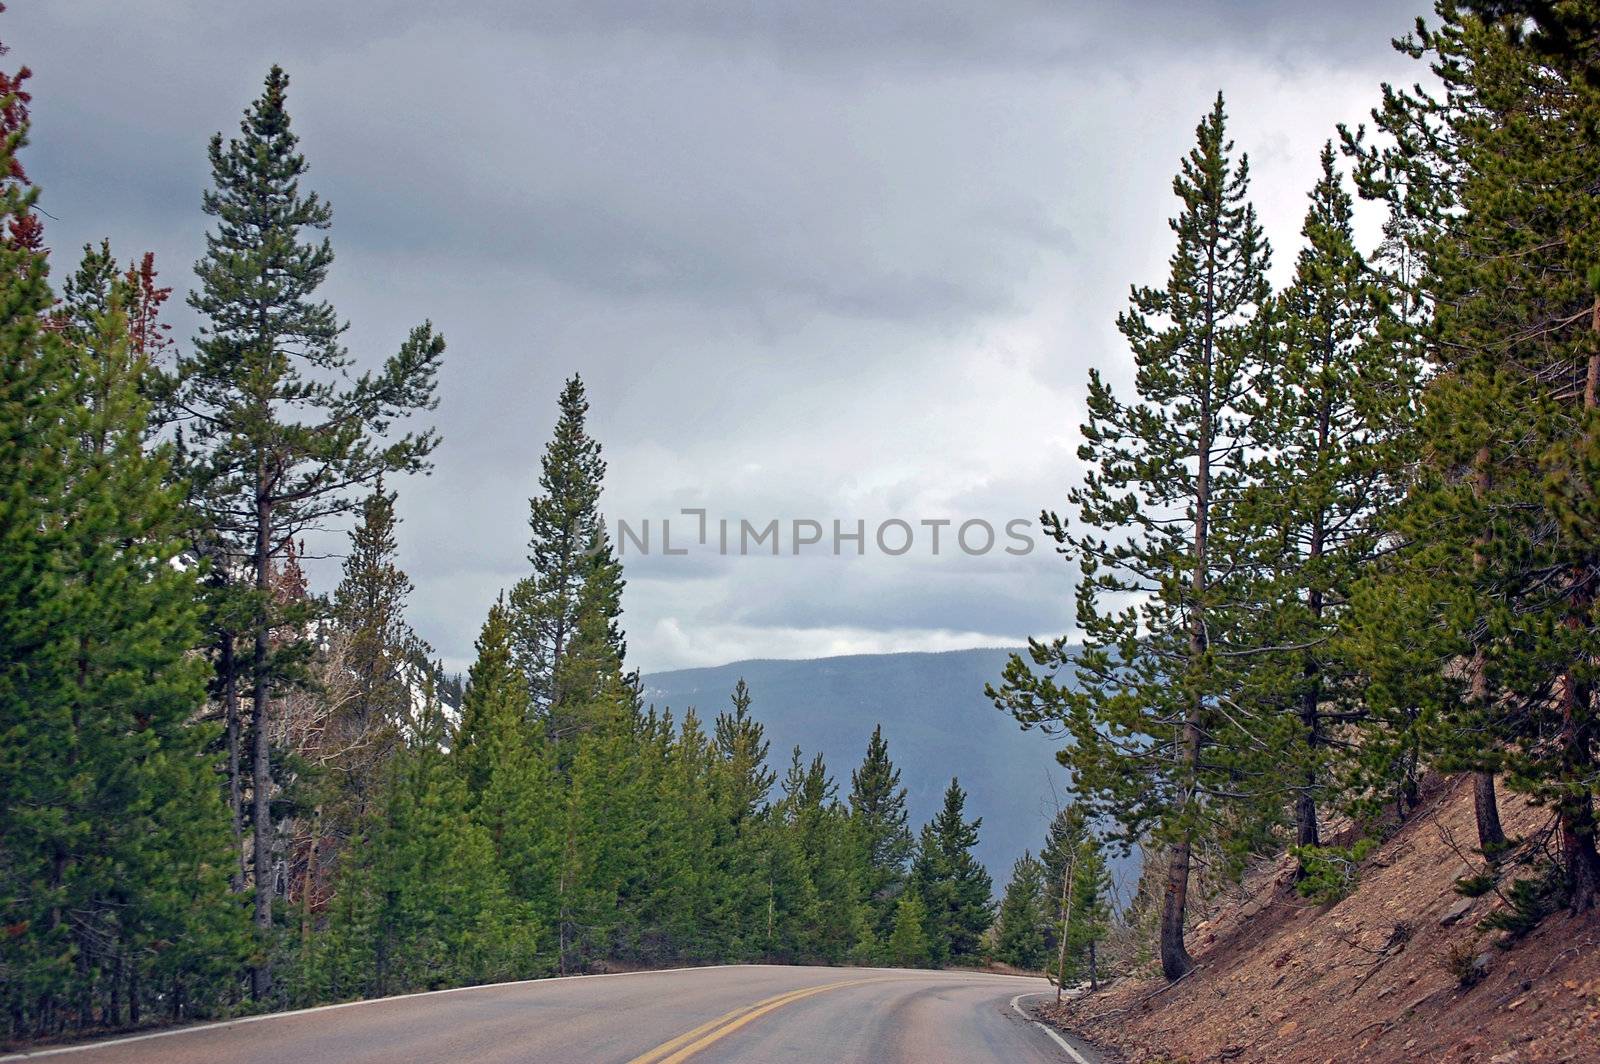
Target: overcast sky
[(828, 259)]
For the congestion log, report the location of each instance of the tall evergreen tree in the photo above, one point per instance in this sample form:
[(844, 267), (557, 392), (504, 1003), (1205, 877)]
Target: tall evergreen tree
[(878, 814), (955, 889), (36, 440), (1064, 840), (1091, 910), (380, 662), (602, 868), (508, 777), (1500, 533), (422, 903), (369, 609), (1385, 773), (494, 706), (1166, 566), (658, 898), (278, 432), (113, 844), (1333, 417), (740, 784), (1020, 927), (823, 832), (1077, 889), (569, 639), (683, 846)]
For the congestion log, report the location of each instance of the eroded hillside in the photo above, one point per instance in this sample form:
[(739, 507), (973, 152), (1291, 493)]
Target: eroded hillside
[(1375, 977)]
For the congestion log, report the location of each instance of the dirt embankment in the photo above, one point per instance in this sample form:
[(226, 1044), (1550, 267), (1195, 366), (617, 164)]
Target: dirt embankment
[(1375, 977)]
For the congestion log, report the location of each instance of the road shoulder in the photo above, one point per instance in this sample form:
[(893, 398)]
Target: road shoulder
[(1076, 1049)]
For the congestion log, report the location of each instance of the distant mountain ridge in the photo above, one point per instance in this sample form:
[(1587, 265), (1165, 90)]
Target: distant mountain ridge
[(934, 715)]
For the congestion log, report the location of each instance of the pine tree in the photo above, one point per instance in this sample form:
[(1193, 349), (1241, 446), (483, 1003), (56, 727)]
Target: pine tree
[(1075, 874), (1333, 415), (114, 877), (1020, 929), (784, 927), (823, 833), (657, 898), (1525, 314), (1500, 531), (878, 814), (603, 871), (908, 942), (569, 640), (740, 784), (1091, 912), (688, 863), (381, 649), (371, 663), (421, 903), (493, 709), (1064, 840), (955, 889), (278, 434), (37, 438), (508, 775), (1166, 474), (160, 875)]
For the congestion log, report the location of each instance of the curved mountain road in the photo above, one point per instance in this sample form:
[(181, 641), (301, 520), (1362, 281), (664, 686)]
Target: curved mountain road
[(722, 1015)]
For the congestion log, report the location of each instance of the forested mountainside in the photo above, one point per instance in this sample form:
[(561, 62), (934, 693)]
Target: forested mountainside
[(935, 715)]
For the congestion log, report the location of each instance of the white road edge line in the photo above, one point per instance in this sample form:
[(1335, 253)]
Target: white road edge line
[(1065, 1045), (84, 1047)]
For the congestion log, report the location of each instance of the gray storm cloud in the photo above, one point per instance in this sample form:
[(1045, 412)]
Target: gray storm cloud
[(840, 259)]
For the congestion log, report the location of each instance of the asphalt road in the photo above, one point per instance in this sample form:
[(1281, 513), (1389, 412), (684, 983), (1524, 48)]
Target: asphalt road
[(745, 1014)]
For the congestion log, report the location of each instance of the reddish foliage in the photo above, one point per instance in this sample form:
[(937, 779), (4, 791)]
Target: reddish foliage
[(25, 231), (289, 583), (14, 100), (150, 336)]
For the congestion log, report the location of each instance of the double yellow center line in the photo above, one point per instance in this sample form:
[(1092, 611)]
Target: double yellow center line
[(689, 1043)]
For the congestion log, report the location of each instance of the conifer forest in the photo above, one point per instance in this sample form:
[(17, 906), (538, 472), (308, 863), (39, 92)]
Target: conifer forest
[(1331, 542)]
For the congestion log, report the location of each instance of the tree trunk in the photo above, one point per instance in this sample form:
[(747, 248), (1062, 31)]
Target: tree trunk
[(1410, 790), (261, 761), (308, 888), (1485, 806), (1491, 836), (114, 1006), (380, 961), (562, 913), (1307, 831), (85, 989), (1066, 922), (1305, 819), (230, 704), (1175, 959), (1579, 857)]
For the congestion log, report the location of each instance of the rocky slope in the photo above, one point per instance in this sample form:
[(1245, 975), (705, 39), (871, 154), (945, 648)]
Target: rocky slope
[(1374, 977)]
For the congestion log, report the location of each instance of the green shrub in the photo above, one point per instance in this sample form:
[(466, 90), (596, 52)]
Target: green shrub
[(1474, 885), (1329, 873), (1530, 901)]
